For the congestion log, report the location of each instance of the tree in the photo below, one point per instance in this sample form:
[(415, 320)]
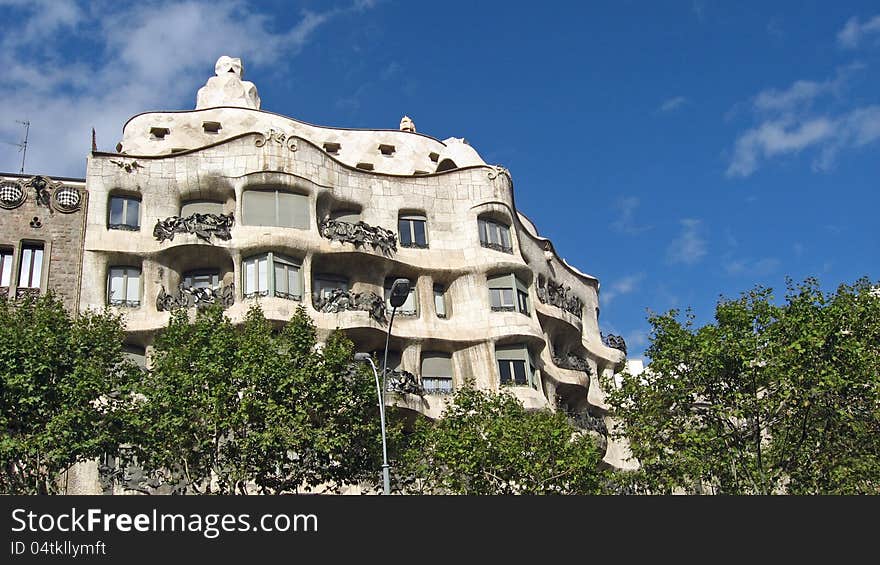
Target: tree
[(64, 384), (490, 444), (768, 399), (228, 410)]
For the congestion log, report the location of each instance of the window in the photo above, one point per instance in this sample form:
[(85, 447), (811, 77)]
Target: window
[(412, 232), (515, 365), (200, 207), (437, 373), (30, 270), (275, 208), (495, 235), (135, 354), (5, 266), (124, 287), (508, 294), (324, 285), (440, 301), (201, 279), (410, 307), (125, 213), (285, 281)]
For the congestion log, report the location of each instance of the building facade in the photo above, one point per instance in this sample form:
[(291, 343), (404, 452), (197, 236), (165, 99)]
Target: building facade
[(233, 204)]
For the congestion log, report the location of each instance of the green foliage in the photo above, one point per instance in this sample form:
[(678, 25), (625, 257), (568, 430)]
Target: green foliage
[(489, 444), (228, 409), (768, 399), (63, 384)]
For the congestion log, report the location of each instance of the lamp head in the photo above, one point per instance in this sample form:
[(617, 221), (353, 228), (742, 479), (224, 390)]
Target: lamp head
[(361, 356), (399, 292)]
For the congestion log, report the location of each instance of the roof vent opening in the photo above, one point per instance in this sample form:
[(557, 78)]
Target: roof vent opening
[(211, 127), (365, 166), (332, 147), (159, 133), (387, 150), (434, 156), (446, 165)]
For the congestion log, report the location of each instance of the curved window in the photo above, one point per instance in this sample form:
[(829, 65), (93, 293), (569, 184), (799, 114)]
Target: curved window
[(412, 231), (124, 213), (271, 274), (508, 294), (323, 286), (436, 372), (202, 279), (495, 235), (124, 287), (515, 365), (200, 207), (275, 208)]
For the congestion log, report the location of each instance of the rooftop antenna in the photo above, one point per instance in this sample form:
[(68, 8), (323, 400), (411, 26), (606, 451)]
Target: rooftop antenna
[(22, 147)]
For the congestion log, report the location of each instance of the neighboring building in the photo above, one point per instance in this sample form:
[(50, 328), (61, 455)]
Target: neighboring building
[(42, 222), (234, 204)]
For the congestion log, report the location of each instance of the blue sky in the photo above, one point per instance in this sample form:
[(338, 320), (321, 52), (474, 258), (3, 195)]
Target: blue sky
[(678, 151)]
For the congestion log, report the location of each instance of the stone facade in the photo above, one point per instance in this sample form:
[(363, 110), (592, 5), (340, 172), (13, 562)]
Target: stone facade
[(42, 223)]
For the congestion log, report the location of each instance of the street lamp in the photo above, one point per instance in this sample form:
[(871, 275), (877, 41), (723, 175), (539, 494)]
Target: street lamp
[(399, 294), (386, 479)]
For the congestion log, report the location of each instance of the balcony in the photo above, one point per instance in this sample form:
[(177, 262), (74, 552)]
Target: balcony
[(614, 342), (340, 300), (555, 294), (359, 234), (195, 297), (497, 246), (203, 226)]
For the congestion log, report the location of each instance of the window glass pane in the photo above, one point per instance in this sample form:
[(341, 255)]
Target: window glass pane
[(116, 205), (117, 284), (24, 269), (133, 285), (495, 297), (507, 297), (263, 274), (523, 302), (403, 230), (293, 210), (6, 267), (132, 212), (440, 301), (201, 207), (505, 235), (484, 238), (293, 281), (37, 271), (419, 229), (350, 216), (250, 276), (504, 371), (519, 372), (258, 208), (281, 278)]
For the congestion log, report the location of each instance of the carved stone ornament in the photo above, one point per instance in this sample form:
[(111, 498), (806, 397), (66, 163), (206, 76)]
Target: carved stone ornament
[(198, 297), (12, 195), (551, 292), (48, 193), (403, 382), (277, 137), (340, 300), (573, 363), (359, 234), (498, 170), (202, 225), (127, 166), (614, 342)]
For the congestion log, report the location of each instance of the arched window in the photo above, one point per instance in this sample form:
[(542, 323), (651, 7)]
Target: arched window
[(273, 207)]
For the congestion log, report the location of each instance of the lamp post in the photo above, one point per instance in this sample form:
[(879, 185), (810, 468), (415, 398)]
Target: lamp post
[(399, 294), (386, 478)]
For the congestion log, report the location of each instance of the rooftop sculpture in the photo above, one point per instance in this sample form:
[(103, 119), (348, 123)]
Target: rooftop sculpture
[(227, 88)]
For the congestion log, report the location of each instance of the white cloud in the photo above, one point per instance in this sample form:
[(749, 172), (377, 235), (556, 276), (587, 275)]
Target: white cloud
[(749, 267), (626, 222), (689, 247), (854, 31), (673, 104), (626, 285), (776, 138), (72, 66)]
